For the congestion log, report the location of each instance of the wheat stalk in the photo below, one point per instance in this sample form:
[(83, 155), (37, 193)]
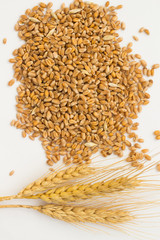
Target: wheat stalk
[(78, 192), (80, 214)]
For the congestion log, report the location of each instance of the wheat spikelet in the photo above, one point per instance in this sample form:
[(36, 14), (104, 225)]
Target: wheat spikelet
[(78, 192), (81, 214)]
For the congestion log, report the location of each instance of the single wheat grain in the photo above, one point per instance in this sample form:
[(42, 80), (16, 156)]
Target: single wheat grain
[(141, 29), (135, 38), (4, 40), (158, 167), (147, 31), (11, 173), (11, 82)]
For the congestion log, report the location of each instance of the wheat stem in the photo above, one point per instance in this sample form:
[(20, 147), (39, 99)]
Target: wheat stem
[(18, 206), (8, 198)]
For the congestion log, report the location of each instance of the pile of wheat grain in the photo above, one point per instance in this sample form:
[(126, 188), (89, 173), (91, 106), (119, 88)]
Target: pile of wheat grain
[(79, 90)]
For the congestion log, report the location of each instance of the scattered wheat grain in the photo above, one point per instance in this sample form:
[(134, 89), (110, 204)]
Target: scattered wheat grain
[(4, 40), (11, 173), (135, 38), (11, 82)]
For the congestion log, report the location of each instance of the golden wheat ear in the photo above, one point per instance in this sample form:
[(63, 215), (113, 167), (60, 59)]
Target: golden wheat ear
[(63, 189), (80, 214), (67, 176), (77, 192), (115, 181), (55, 179), (127, 217), (62, 176), (60, 187)]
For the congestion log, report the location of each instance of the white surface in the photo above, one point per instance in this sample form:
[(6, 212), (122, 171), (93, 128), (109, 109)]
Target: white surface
[(26, 157)]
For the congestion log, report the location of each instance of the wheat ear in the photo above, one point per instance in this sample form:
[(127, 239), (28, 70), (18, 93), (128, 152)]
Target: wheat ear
[(58, 177), (77, 192), (80, 214), (53, 180)]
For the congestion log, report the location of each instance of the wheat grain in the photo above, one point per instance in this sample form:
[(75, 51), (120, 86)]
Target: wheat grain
[(147, 157), (43, 5), (90, 144), (11, 173), (141, 29), (75, 10), (155, 66), (135, 38), (11, 82), (138, 56), (79, 192), (158, 167), (123, 26), (4, 40), (35, 20), (147, 31), (49, 5), (145, 150), (157, 133)]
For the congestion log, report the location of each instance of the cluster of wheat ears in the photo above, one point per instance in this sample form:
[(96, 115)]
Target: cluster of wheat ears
[(74, 194)]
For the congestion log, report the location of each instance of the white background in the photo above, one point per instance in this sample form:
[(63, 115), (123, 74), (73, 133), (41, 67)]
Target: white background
[(26, 157)]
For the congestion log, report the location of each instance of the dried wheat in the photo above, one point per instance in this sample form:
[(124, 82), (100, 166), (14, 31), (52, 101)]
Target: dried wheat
[(54, 179), (80, 214), (83, 214), (73, 193)]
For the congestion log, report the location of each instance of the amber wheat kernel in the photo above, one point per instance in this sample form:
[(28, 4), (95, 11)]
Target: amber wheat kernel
[(11, 173), (157, 132), (11, 82), (4, 40)]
